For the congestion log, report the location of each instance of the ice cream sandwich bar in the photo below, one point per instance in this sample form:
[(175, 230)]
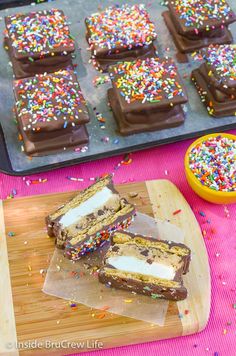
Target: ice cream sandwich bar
[(120, 33), (196, 24), (51, 112), (146, 95), (86, 221), (215, 80), (146, 266), (38, 42)]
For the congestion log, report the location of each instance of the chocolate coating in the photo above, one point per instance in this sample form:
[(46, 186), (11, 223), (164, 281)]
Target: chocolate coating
[(25, 68), (58, 141), (74, 112), (218, 108), (38, 42), (221, 92), (190, 44), (169, 244), (103, 63), (144, 120), (216, 76), (120, 221), (96, 226), (52, 223), (139, 287)]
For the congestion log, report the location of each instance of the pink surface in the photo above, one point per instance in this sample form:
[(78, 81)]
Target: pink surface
[(218, 224)]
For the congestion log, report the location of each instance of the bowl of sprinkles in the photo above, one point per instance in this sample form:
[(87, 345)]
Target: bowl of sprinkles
[(210, 167)]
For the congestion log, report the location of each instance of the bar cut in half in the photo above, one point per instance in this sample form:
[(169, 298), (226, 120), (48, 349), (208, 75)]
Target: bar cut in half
[(86, 221), (146, 266)]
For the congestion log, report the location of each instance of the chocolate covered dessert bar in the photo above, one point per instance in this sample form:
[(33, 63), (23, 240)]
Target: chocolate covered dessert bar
[(215, 80), (120, 33), (86, 221), (145, 265), (146, 95), (51, 112), (38, 42), (195, 24)]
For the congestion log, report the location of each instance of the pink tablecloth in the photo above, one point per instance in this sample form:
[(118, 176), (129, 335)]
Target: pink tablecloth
[(218, 223)]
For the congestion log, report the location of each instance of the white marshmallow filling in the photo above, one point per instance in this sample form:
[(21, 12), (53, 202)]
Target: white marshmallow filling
[(135, 265), (98, 200)]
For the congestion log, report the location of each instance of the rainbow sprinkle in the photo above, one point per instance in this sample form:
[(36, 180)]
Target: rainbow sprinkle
[(41, 32), (213, 162), (74, 253), (197, 13), (150, 80), (125, 26), (48, 98), (222, 60), (102, 79)]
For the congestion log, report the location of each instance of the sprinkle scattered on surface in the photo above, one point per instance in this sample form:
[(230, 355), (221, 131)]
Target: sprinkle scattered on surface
[(11, 234), (128, 300), (75, 179), (176, 212), (81, 149), (202, 213)]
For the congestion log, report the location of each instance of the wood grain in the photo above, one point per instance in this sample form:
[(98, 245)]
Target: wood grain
[(41, 317), (7, 318), (199, 291)]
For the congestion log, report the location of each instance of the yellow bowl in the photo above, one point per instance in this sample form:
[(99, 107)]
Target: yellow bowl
[(204, 192)]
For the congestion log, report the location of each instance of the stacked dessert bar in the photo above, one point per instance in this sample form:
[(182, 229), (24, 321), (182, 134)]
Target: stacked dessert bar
[(51, 112), (146, 95), (38, 42), (195, 24), (85, 222), (146, 266), (50, 108), (133, 262), (120, 33), (215, 80)]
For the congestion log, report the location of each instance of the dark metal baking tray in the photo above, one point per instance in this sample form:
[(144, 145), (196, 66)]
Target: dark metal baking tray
[(4, 4), (198, 122)]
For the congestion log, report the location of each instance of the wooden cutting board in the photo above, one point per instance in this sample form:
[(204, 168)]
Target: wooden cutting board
[(27, 313)]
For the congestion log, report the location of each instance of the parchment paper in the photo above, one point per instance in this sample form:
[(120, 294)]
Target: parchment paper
[(78, 281)]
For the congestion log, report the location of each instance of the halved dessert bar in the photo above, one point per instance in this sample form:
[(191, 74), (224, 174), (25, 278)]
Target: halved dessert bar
[(86, 221), (146, 266), (195, 24), (146, 95), (51, 112), (215, 80), (38, 42), (120, 33)]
